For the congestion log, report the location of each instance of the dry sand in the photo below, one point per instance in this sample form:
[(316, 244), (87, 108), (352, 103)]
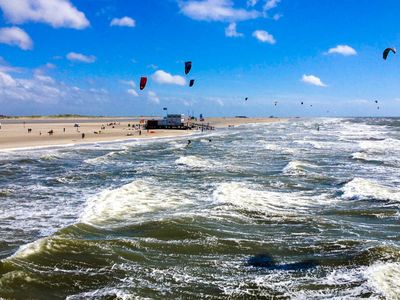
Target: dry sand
[(15, 135)]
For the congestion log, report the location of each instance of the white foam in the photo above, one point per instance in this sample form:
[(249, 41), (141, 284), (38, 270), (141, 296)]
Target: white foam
[(196, 162), (107, 293), (254, 198), (363, 156), (101, 159), (296, 167), (360, 188), (127, 203), (385, 279), (379, 146)]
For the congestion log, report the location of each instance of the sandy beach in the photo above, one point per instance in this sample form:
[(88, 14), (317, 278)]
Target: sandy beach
[(25, 132)]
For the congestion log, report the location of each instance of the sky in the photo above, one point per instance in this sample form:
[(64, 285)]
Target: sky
[(87, 56)]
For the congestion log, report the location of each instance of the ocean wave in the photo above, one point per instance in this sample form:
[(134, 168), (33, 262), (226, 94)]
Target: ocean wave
[(364, 189), (253, 198), (378, 146), (196, 162), (106, 293), (385, 279), (100, 159), (126, 203), (364, 156), (297, 167)]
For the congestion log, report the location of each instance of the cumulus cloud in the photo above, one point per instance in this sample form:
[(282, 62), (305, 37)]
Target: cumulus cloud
[(216, 10), (252, 2), (342, 50), (123, 22), (264, 37), (153, 98), (7, 68), (15, 36), (78, 57), (163, 77), (277, 17), (57, 13), (131, 83), (40, 89), (313, 80), (231, 31), (132, 92), (44, 78), (270, 4), (6, 80)]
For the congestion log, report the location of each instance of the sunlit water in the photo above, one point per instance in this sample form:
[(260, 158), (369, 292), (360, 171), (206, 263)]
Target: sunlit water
[(267, 211)]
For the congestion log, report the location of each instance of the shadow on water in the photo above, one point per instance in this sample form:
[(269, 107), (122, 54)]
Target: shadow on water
[(267, 262)]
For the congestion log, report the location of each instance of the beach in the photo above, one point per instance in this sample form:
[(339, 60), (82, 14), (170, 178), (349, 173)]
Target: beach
[(14, 132)]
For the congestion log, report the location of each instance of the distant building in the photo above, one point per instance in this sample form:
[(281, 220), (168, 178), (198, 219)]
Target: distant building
[(171, 121)]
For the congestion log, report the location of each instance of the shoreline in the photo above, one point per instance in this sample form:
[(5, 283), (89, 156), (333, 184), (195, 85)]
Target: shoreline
[(15, 137)]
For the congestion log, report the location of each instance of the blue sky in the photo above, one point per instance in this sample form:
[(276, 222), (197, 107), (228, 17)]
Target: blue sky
[(86, 57)]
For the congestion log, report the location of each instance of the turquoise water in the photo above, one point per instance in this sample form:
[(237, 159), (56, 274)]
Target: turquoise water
[(266, 211)]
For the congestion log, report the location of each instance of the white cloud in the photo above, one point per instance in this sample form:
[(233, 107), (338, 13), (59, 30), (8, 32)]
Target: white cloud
[(313, 80), (342, 50), (123, 22), (44, 78), (264, 37), (129, 82), (252, 2), (152, 66), (50, 66), (219, 102), (277, 17), (6, 68), (6, 80), (15, 36), (270, 4), (163, 77), (215, 10), (231, 31), (57, 13), (132, 92), (73, 56), (37, 89), (153, 98)]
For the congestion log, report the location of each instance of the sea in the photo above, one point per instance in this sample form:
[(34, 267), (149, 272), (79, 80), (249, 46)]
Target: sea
[(299, 209)]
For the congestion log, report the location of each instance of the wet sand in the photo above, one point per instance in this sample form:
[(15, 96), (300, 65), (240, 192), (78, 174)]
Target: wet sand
[(14, 133)]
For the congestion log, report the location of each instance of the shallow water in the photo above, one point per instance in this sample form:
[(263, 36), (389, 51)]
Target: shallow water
[(267, 211)]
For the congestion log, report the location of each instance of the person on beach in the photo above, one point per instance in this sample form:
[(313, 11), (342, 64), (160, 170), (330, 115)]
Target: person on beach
[(83, 135)]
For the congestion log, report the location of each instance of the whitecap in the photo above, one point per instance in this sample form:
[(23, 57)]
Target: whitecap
[(100, 159), (361, 189), (385, 279), (254, 198), (297, 167), (196, 162), (128, 202)]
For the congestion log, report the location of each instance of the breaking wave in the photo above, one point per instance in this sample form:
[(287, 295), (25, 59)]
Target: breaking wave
[(364, 189), (125, 204)]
